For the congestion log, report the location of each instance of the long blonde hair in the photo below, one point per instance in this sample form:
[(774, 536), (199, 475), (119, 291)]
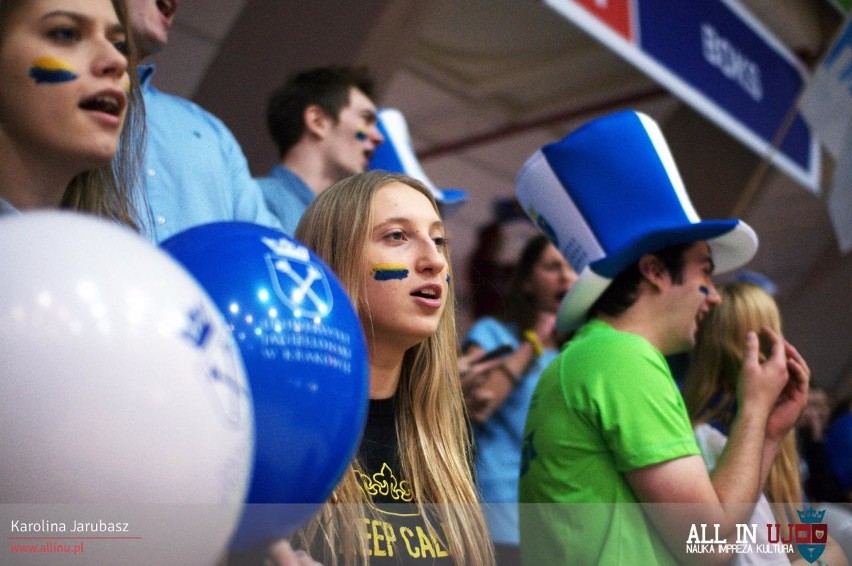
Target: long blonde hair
[(711, 382), (434, 440), (108, 191)]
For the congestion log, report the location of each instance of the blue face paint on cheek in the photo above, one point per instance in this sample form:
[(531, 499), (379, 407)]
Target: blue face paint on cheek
[(51, 71), (389, 271), (361, 135), (704, 290)]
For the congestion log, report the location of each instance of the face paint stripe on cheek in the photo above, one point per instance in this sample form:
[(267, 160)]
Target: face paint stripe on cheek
[(51, 71), (361, 135), (389, 271)]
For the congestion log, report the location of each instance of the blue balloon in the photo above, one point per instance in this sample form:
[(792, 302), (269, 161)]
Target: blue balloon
[(305, 358)]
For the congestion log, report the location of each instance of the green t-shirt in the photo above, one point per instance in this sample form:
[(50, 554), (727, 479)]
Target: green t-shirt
[(607, 405)]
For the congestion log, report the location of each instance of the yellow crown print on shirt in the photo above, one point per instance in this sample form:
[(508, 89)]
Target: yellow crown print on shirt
[(384, 482)]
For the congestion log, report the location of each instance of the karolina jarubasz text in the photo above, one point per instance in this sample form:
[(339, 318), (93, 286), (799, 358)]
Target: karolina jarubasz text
[(45, 526)]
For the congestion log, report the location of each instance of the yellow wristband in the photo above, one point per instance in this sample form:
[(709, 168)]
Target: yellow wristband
[(531, 337)]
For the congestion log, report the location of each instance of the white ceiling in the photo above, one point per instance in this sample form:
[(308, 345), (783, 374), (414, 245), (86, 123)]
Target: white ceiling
[(484, 83)]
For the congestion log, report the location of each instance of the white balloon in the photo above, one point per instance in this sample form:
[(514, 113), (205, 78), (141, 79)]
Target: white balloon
[(123, 398)]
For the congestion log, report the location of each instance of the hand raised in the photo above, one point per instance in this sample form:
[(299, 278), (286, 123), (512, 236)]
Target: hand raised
[(484, 388), (762, 381), (793, 398)]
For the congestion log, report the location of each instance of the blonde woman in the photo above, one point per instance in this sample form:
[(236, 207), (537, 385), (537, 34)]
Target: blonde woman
[(710, 392), (70, 113), (409, 495)]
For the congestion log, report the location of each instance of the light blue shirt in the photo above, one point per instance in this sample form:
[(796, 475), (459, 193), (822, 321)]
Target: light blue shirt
[(194, 170), (286, 195), (499, 439)]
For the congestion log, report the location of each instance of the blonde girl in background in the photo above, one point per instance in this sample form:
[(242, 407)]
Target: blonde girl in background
[(710, 393)]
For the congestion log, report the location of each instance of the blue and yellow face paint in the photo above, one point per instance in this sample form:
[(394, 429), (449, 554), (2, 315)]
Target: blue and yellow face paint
[(362, 135), (389, 271), (51, 71)]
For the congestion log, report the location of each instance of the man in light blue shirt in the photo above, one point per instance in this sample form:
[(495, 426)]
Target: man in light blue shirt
[(324, 123), (195, 171)]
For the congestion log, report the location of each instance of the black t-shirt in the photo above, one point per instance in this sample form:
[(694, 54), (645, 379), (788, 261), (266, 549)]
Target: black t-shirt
[(394, 530), (396, 533)]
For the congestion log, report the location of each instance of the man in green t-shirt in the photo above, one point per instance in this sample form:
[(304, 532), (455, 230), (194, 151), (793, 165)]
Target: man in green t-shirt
[(607, 429)]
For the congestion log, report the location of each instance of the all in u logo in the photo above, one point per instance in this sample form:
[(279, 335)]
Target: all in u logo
[(299, 282), (811, 534)]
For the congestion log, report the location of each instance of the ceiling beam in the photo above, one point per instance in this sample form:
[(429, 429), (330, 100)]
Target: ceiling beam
[(513, 129)]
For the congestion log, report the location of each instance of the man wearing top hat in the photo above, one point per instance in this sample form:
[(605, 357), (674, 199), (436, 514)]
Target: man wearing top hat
[(607, 428)]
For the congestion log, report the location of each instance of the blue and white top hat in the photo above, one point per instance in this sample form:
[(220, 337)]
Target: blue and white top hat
[(609, 193), (396, 155)]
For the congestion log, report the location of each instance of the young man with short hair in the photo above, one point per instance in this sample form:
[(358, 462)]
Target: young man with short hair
[(324, 123)]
